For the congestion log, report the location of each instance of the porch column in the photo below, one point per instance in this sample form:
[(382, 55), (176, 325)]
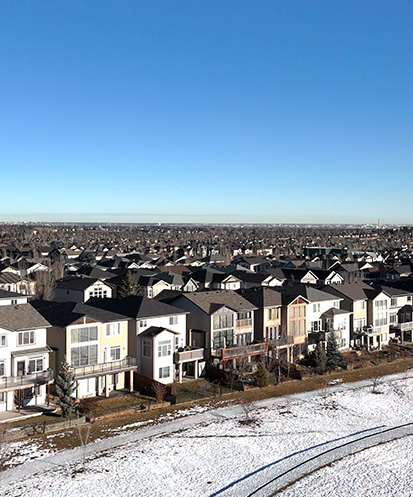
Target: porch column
[(106, 385), (196, 370), (130, 381), (180, 372)]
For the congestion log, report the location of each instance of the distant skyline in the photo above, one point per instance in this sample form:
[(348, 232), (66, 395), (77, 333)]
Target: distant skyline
[(209, 111)]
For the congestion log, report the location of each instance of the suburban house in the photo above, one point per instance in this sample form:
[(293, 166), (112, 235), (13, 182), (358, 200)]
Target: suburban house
[(222, 322), (24, 355), (80, 289), (355, 301), (321, 317), (157, 332), (267, 315), (378, 329), (294, 324), (94, 342)]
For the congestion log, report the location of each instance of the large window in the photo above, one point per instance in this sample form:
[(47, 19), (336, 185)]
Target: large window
[(147, 348), (115, 353), (25, 338), (223, 339), (380, 305), (85, 334), (35, 365), (165, 372), (297, 311), (298, 327), (164, 348), (98, 293), (359, 324), (85, 355), (244, 339), (223, 321), (273, 333), (112, 329)]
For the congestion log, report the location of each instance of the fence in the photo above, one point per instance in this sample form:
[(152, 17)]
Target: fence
[(28, 430)]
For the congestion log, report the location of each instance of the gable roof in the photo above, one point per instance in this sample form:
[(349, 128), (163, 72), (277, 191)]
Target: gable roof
[(262, 296), (21, 317), (153, 331), (136, 307), (65, 313), (76, 282), (211, 301)]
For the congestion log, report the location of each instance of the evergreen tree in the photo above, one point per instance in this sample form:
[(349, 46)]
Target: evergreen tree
[(261, 377), (65, 386), (128, 286), (335, 358), (320, 358)]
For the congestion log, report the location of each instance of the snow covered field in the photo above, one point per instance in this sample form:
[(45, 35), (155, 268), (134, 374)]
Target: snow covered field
[(382, 471), (203, 452)]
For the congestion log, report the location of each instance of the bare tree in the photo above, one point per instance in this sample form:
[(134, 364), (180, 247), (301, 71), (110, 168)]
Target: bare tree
[(84, 432), (159, 389), (376, 382)]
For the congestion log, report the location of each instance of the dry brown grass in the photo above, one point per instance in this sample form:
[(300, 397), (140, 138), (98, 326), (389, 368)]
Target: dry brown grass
[(102, 428)]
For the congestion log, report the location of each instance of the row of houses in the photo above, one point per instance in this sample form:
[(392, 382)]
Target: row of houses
[(174, 335)]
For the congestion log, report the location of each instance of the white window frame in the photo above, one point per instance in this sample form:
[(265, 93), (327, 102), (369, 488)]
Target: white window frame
[(20, 338), (112, 329), (5, 340), (161, 372), (36, 361), (173, 320), (164, 348), (143, 323), (115, 348), (3, 363)]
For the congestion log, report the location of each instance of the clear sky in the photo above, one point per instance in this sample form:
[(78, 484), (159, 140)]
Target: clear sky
[(206, 110)]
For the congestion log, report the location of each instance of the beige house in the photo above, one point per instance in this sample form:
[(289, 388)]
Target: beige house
[(94, 342)]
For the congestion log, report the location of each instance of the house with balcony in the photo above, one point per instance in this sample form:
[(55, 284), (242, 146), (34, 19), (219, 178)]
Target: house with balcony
[(294, 323), (94, 342), (376, 333), (354, 299), (337, 321), (267, 313), (25, 376), (222, 322), (157, 332), (399, 299)]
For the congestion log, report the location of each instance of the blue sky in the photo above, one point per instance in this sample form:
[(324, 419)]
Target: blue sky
[(206, 111)]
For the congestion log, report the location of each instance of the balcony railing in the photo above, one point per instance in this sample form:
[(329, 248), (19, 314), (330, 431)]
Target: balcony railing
[(243, 323), (126, 364), (243, 351), (189, 355), (405, 326), (279, 342), (26, 380)]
